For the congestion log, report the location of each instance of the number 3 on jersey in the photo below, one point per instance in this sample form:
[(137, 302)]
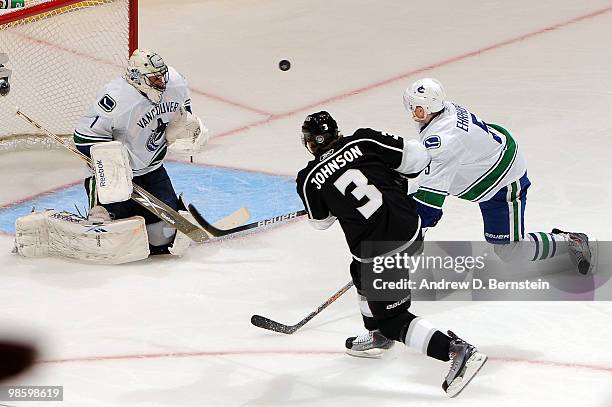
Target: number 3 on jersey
[(362, 189)]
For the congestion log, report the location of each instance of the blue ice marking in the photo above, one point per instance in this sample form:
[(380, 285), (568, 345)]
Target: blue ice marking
[(216, 192)]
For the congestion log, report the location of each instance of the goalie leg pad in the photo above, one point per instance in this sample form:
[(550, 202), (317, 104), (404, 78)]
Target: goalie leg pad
[(113, 172), (62, 234), (32, 235)]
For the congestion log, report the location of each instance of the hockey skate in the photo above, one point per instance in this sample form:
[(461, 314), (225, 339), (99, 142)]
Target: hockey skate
[(579, 250), (371, 344), (466, 362)]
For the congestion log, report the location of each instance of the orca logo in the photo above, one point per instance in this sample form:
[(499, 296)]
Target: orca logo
[(421, 89), (107, 103), (155, 139), (432, 142), (319, 139)]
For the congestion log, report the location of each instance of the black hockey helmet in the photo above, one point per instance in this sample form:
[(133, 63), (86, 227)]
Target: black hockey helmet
[(319, 132)]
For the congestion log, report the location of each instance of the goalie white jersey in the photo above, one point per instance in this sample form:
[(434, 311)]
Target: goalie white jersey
[(471, 159), (122, 113)]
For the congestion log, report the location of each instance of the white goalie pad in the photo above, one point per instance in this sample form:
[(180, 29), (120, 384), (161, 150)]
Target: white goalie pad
[(113, 172), (63, 234), (186, 133)]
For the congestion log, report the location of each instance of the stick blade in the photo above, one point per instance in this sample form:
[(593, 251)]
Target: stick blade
[(266, 323), (234, 220)]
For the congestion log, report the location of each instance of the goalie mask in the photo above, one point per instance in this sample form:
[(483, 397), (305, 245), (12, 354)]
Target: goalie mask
[(319, 132), (148, 73)]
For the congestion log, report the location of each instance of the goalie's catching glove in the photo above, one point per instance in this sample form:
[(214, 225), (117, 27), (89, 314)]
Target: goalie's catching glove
[(186, 133)]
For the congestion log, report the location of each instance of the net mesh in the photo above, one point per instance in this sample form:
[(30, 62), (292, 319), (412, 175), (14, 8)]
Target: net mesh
[(59, 59)]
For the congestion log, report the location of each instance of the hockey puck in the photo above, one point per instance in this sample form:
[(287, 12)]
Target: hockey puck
[(284, 65)]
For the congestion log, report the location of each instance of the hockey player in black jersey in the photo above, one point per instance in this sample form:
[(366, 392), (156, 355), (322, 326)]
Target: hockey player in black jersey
[(357, 180)]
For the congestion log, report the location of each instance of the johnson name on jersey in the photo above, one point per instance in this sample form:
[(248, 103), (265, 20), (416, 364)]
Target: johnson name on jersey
[(356, 182), (470, 159), (124, 114)]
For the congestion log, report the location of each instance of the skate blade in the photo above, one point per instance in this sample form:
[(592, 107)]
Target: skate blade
[(375, 353), (473, 366)]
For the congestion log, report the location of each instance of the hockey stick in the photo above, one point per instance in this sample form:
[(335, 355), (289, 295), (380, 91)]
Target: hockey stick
[(216, 232), (233, 220), (139, 194), (266, 323)]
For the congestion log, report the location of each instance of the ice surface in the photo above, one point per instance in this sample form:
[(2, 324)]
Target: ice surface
[(176, 332)]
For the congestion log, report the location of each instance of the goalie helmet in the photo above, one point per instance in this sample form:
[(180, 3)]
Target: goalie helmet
[(319, 132), (148, 73), (427, 93)]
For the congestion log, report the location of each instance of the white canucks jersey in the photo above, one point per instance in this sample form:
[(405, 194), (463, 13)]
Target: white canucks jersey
[(470, 159), (124, 114)]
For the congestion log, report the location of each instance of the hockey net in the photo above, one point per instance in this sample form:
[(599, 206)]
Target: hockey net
[(60, 53)]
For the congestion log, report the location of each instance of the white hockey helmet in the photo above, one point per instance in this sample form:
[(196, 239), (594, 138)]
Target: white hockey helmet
[(427, 93), (148, 73)]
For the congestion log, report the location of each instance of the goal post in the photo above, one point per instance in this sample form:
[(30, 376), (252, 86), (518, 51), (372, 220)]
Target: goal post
[(61, 52)]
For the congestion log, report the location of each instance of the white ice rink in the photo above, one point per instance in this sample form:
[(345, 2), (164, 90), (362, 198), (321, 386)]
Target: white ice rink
[(176, 332)]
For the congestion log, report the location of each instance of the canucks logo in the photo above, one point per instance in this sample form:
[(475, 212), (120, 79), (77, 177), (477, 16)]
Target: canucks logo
[(157, 135), (432, 142), (421, 89), (107, 103)]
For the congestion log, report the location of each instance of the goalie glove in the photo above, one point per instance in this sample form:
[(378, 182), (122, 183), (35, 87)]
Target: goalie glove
[(186, 133)]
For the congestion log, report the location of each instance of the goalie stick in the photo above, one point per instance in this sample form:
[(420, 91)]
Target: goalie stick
[(266, 323), (216, 232), (140, 195)]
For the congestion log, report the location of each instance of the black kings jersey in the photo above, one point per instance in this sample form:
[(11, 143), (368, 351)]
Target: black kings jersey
[(357, 182)]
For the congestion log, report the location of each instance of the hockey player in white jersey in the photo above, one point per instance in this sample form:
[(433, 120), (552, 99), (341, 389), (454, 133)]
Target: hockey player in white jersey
[(126, 133), (131, 124), (480, 162)]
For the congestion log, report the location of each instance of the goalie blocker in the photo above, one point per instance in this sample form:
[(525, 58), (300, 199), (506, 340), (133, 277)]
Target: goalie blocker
[(113, 172)]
